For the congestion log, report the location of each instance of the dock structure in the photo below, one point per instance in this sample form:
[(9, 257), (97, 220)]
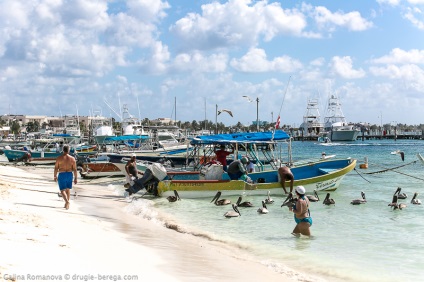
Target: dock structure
[(371, 135)]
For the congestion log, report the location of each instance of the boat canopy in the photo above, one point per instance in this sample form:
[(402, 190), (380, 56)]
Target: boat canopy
[(252, 137), (127, 138)]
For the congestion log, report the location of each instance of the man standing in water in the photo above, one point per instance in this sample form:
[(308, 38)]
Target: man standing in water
[(65, 166)]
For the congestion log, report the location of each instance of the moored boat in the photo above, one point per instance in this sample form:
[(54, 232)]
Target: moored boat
[(324, 175), (335, 122), (321, 174)]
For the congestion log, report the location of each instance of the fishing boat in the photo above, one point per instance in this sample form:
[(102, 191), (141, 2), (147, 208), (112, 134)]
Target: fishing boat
[(101, 128), (312, 125), (146, 149), (335, 122), (260, 147)]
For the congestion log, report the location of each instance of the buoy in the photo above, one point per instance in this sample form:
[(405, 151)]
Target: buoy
[(365, 164)]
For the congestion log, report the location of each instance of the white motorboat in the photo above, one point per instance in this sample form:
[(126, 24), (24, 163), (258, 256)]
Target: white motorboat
[(335, 122)]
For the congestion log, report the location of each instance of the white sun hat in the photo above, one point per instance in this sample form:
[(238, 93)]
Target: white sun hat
[(301, 190)]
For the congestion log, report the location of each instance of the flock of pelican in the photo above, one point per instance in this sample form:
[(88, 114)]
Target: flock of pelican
[(291, 200), (398, 195)]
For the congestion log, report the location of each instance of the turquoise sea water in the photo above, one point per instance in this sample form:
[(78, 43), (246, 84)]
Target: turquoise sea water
[(369, 242)]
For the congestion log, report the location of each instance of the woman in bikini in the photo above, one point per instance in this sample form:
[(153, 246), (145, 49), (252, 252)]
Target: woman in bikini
[(301, 212)]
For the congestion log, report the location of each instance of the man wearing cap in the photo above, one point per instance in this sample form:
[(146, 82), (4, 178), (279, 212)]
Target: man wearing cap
[(286, 174), (236, 169), (131, 169), (302, 216)]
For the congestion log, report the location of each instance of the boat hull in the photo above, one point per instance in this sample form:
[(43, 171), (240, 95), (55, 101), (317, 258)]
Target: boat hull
[(323, 175), (344, 135), (100, 169)]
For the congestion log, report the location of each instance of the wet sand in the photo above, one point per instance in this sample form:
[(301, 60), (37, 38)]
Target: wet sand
[(97, 238)]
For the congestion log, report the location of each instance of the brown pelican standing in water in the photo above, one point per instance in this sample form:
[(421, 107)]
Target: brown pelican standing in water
[(234, 213), (269, 200), (174, 198), (313, 198), (359, 201), (414, 200), (221, 202), (399, 194), (395, 205), (327, 201), (263, 210), (244, 204)]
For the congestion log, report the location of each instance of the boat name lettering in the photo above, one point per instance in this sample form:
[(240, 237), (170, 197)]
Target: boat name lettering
[(325, 184), (189, 184)]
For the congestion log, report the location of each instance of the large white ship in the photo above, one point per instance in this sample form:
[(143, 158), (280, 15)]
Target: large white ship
[(335, 122)]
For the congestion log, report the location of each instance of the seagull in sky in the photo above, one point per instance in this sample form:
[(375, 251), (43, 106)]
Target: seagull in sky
[(225, 110), (248, 98)]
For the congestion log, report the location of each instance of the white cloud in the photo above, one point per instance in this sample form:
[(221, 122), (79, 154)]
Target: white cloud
[(326, 19), (147, 10), (197, 62), (389, 2), (399, 56), (255, 60), (156, 63), (410, 74), (416, 2), (342, 66), (412, 15), (237, 22)]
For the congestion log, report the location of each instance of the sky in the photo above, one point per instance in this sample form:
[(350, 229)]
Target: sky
[(185, 59)]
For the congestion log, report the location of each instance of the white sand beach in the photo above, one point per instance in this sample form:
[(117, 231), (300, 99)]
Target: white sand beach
[(97, 240)]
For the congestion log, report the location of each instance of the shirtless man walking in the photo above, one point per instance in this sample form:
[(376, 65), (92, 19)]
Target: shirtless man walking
[(65, 166)]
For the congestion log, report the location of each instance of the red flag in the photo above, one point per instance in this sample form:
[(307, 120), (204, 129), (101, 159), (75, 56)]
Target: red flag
[(277, 124)]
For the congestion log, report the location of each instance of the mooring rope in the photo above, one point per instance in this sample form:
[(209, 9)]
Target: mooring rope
[(394, 170), (361, 175)]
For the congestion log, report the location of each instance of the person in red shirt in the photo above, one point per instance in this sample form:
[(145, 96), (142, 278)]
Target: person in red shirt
[(221, 156)]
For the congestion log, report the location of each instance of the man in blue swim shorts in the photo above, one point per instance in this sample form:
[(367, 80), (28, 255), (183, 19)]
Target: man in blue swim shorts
[(302, 216), (65, 170)]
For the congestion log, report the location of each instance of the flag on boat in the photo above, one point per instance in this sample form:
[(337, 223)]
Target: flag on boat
[(277, 124)]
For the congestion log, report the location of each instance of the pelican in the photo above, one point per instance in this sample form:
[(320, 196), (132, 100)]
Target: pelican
[(399, 152), (244, 204), (174, 198), (289, 201), (221, 202), (359, 201), (313, 198), (269, 200), (327, 201), (395, 205), (414, 200), (399, 194), (234, 213), (263, 210), (394, 202)]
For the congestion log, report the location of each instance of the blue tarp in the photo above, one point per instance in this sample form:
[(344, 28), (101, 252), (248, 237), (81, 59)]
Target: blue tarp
[(127, 138), (252, 137)]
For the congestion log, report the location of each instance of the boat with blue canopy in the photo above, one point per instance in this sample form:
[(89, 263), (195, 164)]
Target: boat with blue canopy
[(265, 150)]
